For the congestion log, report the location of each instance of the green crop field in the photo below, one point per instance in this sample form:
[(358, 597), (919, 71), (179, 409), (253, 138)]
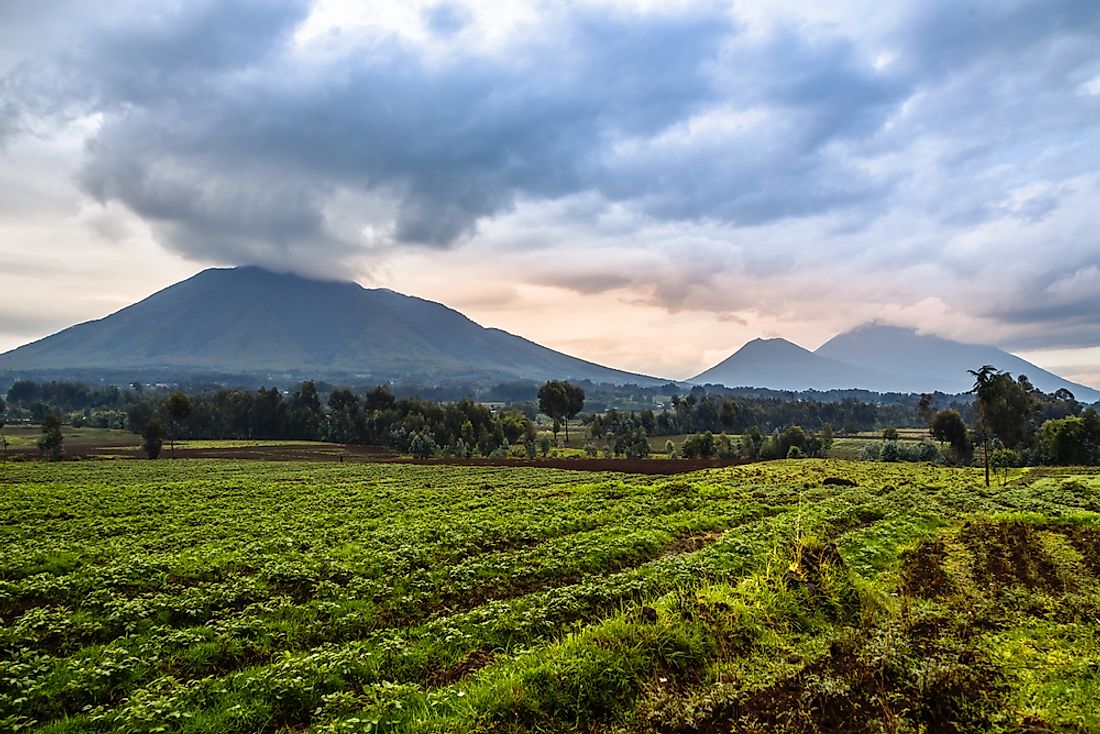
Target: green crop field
[(225, 596)]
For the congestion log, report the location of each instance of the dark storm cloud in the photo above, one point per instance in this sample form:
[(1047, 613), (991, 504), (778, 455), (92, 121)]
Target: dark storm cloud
[(1059, 308), (238, 146), (218, 134)]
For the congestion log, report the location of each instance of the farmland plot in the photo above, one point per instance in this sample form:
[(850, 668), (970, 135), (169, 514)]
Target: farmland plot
[(210, 596)]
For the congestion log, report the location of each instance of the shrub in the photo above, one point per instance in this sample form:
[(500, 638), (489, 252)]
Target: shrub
[(422, 445), (152, 438)]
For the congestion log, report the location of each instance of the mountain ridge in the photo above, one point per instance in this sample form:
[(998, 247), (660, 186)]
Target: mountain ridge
[(780, 364), (252, 320), (880, 358), (911, 354)]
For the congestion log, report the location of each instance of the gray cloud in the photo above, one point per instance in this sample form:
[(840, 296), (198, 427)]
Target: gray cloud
[(1059, 307), (213, 126), (945, 140)]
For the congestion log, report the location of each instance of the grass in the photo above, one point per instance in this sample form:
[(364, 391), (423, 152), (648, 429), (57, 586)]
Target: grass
[(219, 596), (25, 436), (228, 443)]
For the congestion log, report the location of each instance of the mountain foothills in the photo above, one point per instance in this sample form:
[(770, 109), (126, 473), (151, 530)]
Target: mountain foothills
[(879, 358), (251, 321)]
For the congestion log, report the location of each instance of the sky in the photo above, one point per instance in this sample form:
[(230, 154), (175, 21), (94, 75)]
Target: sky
[(648, 185)]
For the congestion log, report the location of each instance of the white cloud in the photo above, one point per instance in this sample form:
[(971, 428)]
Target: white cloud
[(647, 185)]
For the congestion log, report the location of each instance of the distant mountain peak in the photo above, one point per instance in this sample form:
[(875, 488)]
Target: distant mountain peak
[(929, 359), (875, 356), (253, 320), (780, 364)]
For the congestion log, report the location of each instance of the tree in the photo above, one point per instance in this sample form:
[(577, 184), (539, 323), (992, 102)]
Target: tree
[(267, 414), (983, 389), (380, 398), (1005, 407), (152, 438), (1073, 439), (50, 441), (422, 445), (926, 410), (699, 446), (793, 436), (179, 407), (345, 424), (305, 412), (1004, 459), (138, 416), (1011, 406), (727, 414), (890, 434), (948, 426), (561, 401)]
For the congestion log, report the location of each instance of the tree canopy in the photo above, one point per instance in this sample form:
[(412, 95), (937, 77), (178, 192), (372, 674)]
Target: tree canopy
[(561, 401)]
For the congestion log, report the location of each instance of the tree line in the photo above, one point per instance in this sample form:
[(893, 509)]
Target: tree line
[(1005, 421)]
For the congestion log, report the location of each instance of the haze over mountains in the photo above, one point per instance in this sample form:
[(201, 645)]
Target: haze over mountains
[(252, 321), (876, 357)]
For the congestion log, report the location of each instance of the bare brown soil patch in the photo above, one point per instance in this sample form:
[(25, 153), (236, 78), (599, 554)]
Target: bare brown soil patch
[(1009, 554), (922, 573), (473, 662), (1087, 543), (691, 542)]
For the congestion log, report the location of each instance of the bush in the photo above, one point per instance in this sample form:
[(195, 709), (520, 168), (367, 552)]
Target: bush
[(699, 446), (871, 451), (50, 441), (928, 451), (460, 450), (152, 438), (422, 445)]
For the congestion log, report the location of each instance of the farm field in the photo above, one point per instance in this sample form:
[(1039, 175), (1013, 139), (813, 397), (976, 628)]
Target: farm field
[(794, 596), (24, 437)]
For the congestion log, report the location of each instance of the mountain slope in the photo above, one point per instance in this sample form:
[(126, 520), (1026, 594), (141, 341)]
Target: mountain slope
[(933, 359), (251, 320), (781, 365)]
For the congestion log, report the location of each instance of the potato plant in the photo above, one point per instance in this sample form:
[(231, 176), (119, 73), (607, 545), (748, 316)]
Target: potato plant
[(219, 596)]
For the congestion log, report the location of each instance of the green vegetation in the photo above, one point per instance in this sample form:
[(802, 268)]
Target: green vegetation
[(807, 595), (561, 401), (51, 440)]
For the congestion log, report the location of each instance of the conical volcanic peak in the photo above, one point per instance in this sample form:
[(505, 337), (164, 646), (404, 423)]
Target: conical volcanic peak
[(251, 320)]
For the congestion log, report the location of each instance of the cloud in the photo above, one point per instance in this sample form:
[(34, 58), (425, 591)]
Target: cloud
[(806, 163), (446, 18), (226, 135)]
